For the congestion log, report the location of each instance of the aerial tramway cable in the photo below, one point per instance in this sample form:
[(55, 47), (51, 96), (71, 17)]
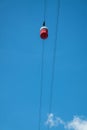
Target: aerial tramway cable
[(44, 10), (42, 66), (53, 65), (41, 84), (54, 59)]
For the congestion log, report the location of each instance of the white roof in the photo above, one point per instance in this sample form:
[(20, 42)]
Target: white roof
[(43, 27)]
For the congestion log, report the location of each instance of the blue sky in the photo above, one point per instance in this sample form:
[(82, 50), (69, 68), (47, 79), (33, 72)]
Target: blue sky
[(20, 62)]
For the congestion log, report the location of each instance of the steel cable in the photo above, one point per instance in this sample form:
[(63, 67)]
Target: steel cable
[(54, 59)]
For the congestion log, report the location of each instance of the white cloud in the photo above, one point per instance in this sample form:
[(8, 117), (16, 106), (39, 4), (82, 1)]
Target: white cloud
[(50, 121), (54, 121), (75, 124)]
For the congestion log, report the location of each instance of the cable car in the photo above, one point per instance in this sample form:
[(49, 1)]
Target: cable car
[(44, 32)]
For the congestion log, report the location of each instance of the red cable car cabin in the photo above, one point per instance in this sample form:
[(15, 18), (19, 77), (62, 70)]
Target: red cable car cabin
[(44, 32)]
